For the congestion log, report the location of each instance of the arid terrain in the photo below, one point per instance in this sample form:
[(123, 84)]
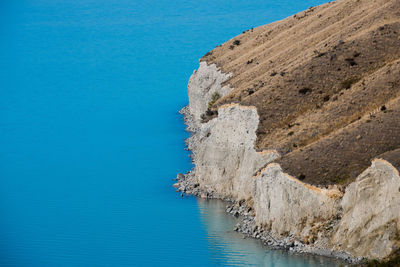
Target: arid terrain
[(326, 85)]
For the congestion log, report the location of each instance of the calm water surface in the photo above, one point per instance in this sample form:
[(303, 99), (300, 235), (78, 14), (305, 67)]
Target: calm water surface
[(90, 137)]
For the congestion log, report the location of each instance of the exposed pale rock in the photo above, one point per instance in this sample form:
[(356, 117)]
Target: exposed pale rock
[(204, 82), (286, 206), (223, 148), (226, 159), (371, 213)]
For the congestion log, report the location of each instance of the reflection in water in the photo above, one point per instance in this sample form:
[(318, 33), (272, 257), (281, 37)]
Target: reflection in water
[(228, 247)]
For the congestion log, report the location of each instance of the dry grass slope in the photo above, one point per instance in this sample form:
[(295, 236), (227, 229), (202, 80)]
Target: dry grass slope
[(326, 84)]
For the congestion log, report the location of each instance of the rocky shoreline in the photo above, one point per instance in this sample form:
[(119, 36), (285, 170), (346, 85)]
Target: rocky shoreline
[(247, 224), (187, 185)]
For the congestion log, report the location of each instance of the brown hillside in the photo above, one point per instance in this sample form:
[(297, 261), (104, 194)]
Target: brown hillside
[(326, 84)]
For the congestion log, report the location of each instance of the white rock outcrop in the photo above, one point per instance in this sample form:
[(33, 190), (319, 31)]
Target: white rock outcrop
[(370, 225), (225, 159), (223, 148), (204, 82), (287, 206), (364, 222)]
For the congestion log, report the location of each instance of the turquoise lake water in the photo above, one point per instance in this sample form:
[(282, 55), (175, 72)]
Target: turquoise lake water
[(91, 139)]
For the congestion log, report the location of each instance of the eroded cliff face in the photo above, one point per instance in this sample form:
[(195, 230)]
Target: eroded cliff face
[(319, 92), (206, 81), (322, 81), (286, 206), (225, 159), (370, 225), (223, 148), (364, 221)]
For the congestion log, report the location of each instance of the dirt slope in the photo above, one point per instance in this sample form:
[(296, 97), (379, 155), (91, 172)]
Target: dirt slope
[(326, 84)]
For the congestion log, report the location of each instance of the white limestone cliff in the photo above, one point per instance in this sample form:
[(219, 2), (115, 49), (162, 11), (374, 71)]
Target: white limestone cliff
[(364, 222), (370, 225), (286, 206), (204, 82), (225, 159)]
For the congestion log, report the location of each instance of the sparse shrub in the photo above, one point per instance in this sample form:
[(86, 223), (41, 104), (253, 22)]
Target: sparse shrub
[(305, 90), (260, 131), (250, 91), (236, 42), (346, 84), (214, 99), (209, 112), (351, 61)]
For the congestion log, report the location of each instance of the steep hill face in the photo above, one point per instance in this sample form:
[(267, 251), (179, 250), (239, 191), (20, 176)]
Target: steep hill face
[(326, 86), (298, 123)]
